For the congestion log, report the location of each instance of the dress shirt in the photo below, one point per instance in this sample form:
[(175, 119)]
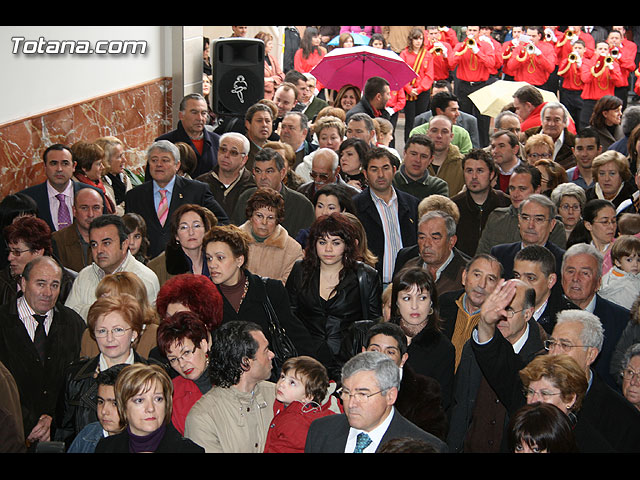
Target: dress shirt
[(25, 313), (388, 213), (168, 188), (54, 203), (376, 435)]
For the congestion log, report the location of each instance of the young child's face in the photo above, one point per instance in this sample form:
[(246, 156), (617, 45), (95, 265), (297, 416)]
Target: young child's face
[(629, 263), (290, 388)]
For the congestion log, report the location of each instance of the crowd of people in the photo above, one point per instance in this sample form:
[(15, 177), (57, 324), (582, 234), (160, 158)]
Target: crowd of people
[(295, 280)]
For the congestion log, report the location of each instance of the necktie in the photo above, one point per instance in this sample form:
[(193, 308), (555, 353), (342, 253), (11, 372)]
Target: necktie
[(40, 338), (64, 217), (362, 441), (163, 207)]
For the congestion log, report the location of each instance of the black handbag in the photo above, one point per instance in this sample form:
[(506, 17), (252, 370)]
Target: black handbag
[(281, 345)]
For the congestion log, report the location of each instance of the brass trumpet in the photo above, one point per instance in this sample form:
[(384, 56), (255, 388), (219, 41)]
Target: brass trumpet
[(531, 48), (573, 57), (470, 42), (436, 50), (614, 52), (608, 60), (569, 34)]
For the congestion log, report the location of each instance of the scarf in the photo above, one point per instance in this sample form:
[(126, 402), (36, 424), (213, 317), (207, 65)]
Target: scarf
[(148, 443), (84, 179)]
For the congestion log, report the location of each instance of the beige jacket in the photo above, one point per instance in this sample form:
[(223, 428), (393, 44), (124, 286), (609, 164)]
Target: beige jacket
[(226, 420), (275, 256)]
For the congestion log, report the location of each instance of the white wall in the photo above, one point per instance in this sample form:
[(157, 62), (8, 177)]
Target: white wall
[(34, 83)]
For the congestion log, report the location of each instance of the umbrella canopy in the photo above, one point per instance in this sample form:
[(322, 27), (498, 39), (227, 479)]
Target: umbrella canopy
[(358, 39), (355, 65), (491, 99)]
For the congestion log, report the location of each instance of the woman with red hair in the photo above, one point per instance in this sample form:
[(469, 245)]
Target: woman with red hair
[(185, 340)]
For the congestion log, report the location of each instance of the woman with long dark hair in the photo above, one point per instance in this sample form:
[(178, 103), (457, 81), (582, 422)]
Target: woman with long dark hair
[(330, 289)]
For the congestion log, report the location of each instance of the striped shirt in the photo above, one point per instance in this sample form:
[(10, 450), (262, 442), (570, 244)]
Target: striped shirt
[(388, 213), (25, 313)]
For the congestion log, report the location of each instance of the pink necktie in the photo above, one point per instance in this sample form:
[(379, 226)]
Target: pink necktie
[(64, 217), (163, 207)]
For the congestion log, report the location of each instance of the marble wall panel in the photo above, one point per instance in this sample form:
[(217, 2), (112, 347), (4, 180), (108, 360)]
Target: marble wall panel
[(136, 116)]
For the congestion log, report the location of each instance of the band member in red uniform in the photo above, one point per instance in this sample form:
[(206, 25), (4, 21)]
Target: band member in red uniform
[(473, 60), (533, 60), (507, 51), (441, 51), (448, 34), (485, 34), (570, 36), (624, 53), (417, 56), (570, 70), (601, 75)]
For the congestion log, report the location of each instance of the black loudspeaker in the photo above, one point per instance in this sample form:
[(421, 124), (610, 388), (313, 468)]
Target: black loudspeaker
[(238, 74)]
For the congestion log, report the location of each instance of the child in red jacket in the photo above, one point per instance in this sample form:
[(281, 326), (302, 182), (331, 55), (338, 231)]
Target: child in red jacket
[(303, 393)]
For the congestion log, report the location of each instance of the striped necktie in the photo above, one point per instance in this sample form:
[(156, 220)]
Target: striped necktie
[(163, 207)]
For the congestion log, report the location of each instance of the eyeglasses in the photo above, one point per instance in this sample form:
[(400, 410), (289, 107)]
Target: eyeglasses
[(116, 332), (319, 176), (360, 397), (561, 345), (629, 374), (544, 394), (511, 312), (566, 206), (537, 156), (183, 227), (186, 356), (537, 219), (15, 252), (232, 153), (613, 221)]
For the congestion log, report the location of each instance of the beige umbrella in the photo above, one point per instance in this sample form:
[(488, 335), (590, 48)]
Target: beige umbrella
[(491, 99)]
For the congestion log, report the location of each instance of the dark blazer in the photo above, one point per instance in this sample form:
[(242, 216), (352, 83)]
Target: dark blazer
[(172, 442), (467, 385), (38, 384), (140, 200), (450, 278), (614, 320), (556, 303), (367, 213), (506, 252), (227, 198), (363, 106), (209, 157), (39, 194), (329, 434), (609, 427), (66, 243)]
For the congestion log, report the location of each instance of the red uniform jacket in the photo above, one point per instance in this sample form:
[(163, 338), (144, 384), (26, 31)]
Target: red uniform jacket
[(531, 68), (570, 73), (424, 70), (441, 66), (472, 67), (604, 84), (564, 46)]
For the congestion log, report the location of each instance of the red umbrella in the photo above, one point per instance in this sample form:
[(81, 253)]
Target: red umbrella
[(355, 65)]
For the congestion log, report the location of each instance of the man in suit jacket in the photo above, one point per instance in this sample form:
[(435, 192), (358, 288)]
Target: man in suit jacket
[(191, 130), (581, 278), (537, 266), (55, 196), (579, 334), (72, 243), (163, 160), (370, 383), (436, 251), (36, 351), (388, 215), (536, 221)]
